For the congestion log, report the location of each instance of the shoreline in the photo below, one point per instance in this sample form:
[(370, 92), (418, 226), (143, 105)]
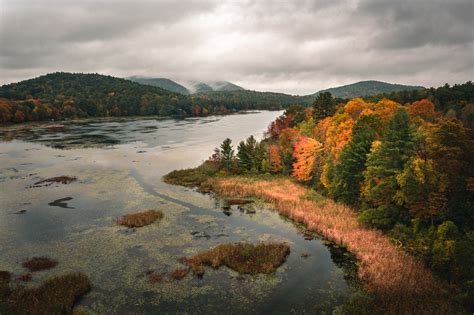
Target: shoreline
[(45, 123)]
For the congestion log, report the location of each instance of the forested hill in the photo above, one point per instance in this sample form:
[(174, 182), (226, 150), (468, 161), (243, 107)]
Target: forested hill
[(163, 83), (367, 88), (246, 97), (75, 95)]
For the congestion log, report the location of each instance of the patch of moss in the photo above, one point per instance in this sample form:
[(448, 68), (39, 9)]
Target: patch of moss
[(39, 263), (140, 219), (56, 295), (244, 258)]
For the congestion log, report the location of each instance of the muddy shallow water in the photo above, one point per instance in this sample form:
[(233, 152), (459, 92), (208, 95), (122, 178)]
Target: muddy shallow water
[(119, 165)]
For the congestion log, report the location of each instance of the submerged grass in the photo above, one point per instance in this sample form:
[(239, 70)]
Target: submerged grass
[(399, 283), (140, 219), (244, 258), (56, 295), (39, 263)]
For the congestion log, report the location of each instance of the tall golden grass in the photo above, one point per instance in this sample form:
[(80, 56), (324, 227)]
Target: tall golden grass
[(400, 283)]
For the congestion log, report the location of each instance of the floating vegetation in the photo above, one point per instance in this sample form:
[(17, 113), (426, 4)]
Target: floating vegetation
[(140, 219), (154, 277), (24, 277), (5, 276), (305, 254), (244, 258), (56, 295), (59, 179), (39, 263), (179, 273)]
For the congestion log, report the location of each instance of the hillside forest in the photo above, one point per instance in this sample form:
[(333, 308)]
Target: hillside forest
[(59, 96)]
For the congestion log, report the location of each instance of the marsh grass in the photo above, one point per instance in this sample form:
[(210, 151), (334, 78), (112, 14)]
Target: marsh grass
[(179, 273), (192, 177), (140, 219), (399, 283), (56, 295), (237, 201), (39, 263), (244, 258)]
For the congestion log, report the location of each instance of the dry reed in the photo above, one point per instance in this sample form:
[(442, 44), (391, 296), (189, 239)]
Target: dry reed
[(401, 284)]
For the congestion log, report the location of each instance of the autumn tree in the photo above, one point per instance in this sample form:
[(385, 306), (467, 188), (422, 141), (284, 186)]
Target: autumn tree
[(424, 109), (276, 163), (420, 190), (305, 154), (19, 116)]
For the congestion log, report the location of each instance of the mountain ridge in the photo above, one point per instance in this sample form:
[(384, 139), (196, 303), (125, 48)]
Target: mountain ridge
[(367, 88)]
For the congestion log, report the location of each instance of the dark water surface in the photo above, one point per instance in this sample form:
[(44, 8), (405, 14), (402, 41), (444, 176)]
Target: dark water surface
[(119, 165)]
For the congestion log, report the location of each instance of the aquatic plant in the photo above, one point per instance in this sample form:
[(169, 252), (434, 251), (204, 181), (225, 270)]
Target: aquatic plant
[(59, 179), (179, 273), (400, 283), (140, 219), (56, 295), (5, 275), (154, 277), (305, 254), (39, 263), (26, 277), (244, 258)]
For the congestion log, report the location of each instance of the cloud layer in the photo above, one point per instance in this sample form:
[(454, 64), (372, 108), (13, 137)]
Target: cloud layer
[(296, 47)]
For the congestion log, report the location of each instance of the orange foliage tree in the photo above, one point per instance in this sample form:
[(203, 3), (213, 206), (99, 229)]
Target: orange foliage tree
[(276, 164), (305, 154), (356, 106), (424, 109)]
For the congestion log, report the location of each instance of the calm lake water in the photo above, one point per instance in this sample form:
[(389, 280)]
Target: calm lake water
[(119, 165)]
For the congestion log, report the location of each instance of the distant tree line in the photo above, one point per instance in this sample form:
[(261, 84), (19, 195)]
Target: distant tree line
[(67, 96)]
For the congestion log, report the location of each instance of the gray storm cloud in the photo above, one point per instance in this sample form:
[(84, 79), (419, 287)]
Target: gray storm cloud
[(296, 47)]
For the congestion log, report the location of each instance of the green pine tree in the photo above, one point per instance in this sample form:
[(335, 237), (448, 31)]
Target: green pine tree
[(324, 105), (348, 172), (383, 166)]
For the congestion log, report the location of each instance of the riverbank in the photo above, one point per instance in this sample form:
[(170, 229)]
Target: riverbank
[(399, 283)]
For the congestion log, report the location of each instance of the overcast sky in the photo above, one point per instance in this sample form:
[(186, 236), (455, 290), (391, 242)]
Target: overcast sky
[(296, 47)]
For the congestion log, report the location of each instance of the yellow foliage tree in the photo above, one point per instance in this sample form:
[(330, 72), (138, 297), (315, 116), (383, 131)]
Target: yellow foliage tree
[(305, 153)]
